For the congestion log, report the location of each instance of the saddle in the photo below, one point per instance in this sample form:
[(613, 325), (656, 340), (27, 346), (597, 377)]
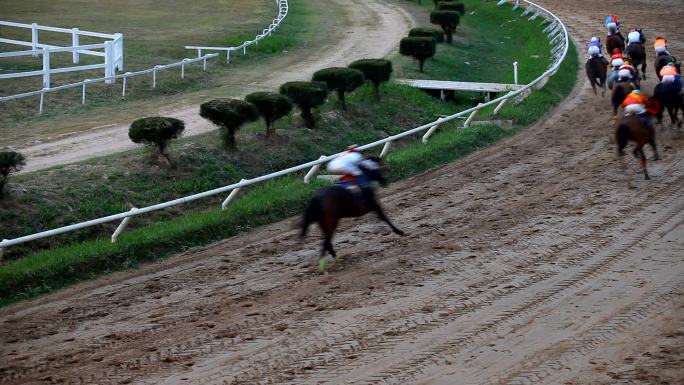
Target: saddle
[(356, 186)]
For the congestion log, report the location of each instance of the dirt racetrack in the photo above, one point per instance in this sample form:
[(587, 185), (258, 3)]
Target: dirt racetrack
[(540, 260)]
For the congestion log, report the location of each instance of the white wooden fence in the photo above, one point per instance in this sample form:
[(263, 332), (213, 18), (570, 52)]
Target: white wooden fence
[(111, 78), (112, 53), (282, 13), (559, 40)]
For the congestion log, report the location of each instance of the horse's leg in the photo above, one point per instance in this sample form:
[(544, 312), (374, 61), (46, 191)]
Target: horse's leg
[(655, 149), (642, 160), (328, 225), (643, 67), (381, 214)]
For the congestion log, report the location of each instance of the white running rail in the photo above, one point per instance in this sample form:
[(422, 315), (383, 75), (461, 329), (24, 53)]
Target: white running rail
[(558, 53), (112, 55), (282, 13), (282, 7)]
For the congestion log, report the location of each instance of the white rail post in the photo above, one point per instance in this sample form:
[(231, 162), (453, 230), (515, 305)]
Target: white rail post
[(385, 149), (154, 76), (42, 101), (228, 56), (183, 68), (74, 42), (123, 89), (199, 53), (472, 115), (231, 196), (46, 67), (515, 72), (312, 171), (501, 104), (244, 50), (431, 131), (109, 62), (204, 64), (83, 91), (2, 250), (34, 38), (122, 225), (118, 44)]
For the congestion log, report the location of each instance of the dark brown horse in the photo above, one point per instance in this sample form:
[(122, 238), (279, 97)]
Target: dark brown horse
[(332, 203), (635, 129), (596, 72), (637, 53), (669, 97), (620, 92), (613, 41)]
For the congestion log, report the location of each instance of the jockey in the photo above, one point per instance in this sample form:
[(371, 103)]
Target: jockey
[(670, 74), (660, 46), (613, 25), (594, 49), (350, 165), (626, 72), (634, 37), (635, 104)]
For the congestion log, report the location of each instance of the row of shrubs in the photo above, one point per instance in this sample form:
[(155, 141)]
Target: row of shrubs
[(421, 43), (231, 114)]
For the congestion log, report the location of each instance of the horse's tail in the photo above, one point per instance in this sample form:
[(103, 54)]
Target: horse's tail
[(311, 214), (622, 137)]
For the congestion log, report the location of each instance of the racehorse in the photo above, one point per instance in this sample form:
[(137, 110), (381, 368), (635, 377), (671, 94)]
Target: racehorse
[(331, 203), (670, 97), (596, 72), (620, 92), (633, 128), (615, 40), (637, 53), (661, 61)]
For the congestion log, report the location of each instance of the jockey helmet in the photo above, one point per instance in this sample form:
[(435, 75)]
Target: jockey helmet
[(594, 39), (617, 62), (624, 73)]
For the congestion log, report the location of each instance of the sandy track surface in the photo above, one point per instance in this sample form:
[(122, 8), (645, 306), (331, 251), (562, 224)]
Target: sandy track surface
[(368, 29), (541, 260)]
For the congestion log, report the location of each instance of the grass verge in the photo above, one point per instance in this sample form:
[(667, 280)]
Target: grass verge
[(401, 108)]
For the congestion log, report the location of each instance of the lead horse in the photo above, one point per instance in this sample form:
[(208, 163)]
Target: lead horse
[(637, 52), (596, 72), (332, 203)]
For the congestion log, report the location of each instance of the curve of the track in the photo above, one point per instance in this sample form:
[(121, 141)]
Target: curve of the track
[(542, 259)]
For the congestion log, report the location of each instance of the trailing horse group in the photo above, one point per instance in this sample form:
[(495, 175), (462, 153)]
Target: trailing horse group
[(623, 74)]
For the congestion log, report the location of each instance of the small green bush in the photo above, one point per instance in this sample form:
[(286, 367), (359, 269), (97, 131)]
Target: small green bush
[(448, 20), (306, 95), (451, 6), (420, 48), (271, 106), (10, 161), (341, 80), (156, 131), (374, 70), (435, 33), (229, 115)]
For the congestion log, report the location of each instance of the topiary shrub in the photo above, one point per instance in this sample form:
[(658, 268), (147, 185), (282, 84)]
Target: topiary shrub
[(271, 106), (229, 115), (451, 6), (306, 95), (420, 48), (10, 161), (375, 70), (448, 20), (435, 33), (156, 131), (341, 80)]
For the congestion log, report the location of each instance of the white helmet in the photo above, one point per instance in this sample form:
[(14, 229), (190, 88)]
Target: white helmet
[(661, 49), (594, 39), (625, 73), (617, 62)]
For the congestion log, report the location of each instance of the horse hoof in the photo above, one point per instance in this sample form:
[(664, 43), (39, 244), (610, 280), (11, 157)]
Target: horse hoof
[(338, 259), (399, 232), (321, 265)]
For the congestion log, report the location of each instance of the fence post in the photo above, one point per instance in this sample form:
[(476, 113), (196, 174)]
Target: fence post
[(204, 64), (42, 100), (312, 171), (122, 225), (2, 250), (231, 196), (431, 131), (244, 50), (501, 104), (154, 76), (228, 56), (472, 115), (34, 38), (109, 62), (118, 51), (183, 68), (74, 42), (515, 72), (123, 88), (385, 149), (83, 91), (46, 67)]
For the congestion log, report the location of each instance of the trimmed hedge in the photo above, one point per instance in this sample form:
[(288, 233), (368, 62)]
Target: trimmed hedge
[(156, 131), (448, 20), (340, 79), (271, 106), (420, 48), (306, 95), (374, 70), (229, 115), (10, 161), (451, 6), (435, 33)]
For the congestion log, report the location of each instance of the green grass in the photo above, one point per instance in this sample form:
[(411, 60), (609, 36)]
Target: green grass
[(110, 184)]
